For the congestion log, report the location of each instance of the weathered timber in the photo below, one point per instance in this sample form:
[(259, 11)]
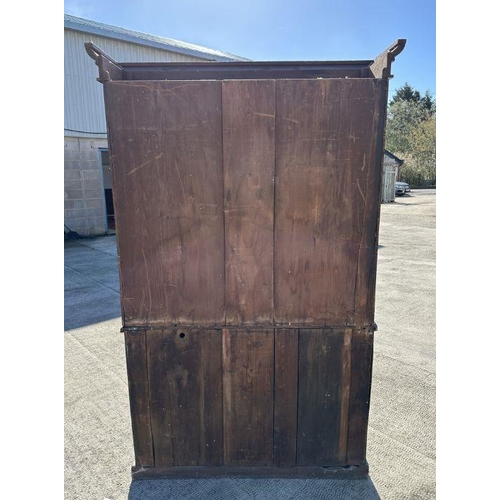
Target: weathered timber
[(248, 138), (328, 172), (286, 355), (185, 377), (138, 385), (320, 393), (349, 472), (247, 204), (165, 142), (247, 360)]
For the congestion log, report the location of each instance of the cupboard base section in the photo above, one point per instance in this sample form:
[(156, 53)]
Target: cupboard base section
[(202, 472)]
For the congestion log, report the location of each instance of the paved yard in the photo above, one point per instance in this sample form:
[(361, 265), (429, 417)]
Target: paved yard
[(401, 440)]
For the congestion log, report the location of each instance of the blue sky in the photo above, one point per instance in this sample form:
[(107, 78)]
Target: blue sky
[(265, 30)]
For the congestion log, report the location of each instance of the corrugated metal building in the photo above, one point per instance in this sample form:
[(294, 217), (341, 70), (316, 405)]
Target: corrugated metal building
[(88, 208), (390, 173)]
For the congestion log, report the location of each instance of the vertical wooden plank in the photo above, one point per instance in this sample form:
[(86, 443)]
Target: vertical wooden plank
[(248, 396), (166, 155), (211, 375), (248, 143), (327, 181), (367, 257), (186, 393), (159, 358), (320, 397), (285, 396), (359, 399), (137, 372), (346, 391)]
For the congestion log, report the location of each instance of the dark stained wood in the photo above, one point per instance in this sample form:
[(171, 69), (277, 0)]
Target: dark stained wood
[(366, 270), (248, 397), (359, 398), (166, 155), (267, 70), (285, 396), (381, 67), (346, 472), (247, 203), (327, 194), (210, 361), (346, 392), (186, 385), (160, 390), (137, 373), (248, 138), (320, 394), (108, 68)]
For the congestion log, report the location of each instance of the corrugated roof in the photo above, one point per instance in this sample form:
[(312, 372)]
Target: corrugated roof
[(126, 35), (393, 157)]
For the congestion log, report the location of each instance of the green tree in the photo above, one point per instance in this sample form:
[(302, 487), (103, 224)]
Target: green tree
[(406, 93), (411, 133), (402, 117), (429, 103)]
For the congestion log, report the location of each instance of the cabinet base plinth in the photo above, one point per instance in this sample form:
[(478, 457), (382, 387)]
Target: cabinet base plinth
[(193, 472)]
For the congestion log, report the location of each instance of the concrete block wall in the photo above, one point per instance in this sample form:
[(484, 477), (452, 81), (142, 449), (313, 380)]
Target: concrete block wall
[(84, 205)]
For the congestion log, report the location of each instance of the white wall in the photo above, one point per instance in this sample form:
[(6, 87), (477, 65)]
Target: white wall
[(83, 94)]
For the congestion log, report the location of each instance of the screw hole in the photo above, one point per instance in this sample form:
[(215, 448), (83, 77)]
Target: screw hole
[(182, 335)]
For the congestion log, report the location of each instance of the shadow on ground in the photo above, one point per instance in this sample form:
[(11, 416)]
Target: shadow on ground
[(91, 283), (252, 489)]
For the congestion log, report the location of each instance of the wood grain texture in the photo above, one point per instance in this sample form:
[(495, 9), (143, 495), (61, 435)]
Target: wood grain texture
[(248, 138), (166, 155), (327, 195), (248, 70), (190, 472), (346, 395), (185, 379), (359, 398), (138, 386), (243, 206), (366, 271), (285, 396), (248, 396), (320, 394)]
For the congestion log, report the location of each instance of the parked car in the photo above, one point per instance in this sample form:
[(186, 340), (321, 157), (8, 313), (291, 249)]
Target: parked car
[(402, 188)]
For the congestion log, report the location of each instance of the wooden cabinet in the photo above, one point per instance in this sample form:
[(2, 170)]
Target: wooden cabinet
[(247, 202)]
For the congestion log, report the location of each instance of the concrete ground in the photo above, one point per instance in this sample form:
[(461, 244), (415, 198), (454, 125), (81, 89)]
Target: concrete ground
[(401, 441)]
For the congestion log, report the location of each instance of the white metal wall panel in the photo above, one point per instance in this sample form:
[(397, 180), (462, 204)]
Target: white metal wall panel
[(388, 193), (83, 96)]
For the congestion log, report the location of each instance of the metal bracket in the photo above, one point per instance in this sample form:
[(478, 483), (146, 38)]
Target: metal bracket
[(381, 67)]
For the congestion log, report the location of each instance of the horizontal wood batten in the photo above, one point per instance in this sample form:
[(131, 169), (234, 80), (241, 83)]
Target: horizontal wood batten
[(348, 472), (132, 328)]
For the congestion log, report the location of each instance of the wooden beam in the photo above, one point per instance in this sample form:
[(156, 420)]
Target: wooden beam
[(381, 67)]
